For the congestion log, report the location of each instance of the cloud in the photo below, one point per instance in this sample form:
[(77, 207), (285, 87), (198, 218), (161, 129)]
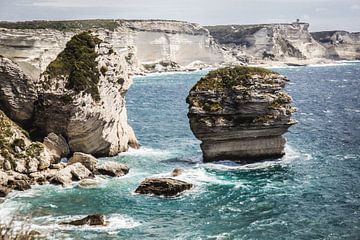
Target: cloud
[(321, 9), (355, 7)]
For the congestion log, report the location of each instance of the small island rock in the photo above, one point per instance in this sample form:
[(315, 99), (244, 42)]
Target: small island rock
[(240, 113), (163, 186), (92, 220)]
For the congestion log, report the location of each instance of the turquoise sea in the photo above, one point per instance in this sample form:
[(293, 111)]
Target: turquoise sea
[(313, 192)]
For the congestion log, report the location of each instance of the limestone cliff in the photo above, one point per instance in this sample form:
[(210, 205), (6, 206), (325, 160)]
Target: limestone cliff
[(340, 45), (152, 45), (240, 113), (282, 42), (80, 94), (17, 92)]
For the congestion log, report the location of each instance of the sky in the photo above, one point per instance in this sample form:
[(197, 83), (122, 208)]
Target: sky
[(321, 14)]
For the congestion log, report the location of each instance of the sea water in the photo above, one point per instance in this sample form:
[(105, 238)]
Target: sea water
[(313, 192)]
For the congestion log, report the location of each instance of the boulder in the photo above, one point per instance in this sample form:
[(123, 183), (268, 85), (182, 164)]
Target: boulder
[(58, 166), (20, 185), (112, 169), (57, 146), (163, 186), (62, 177), (87, 160), (3, 178), (75, 172), (4, 191), (92, 220), (79, 171), (38, 177), (240, 113)]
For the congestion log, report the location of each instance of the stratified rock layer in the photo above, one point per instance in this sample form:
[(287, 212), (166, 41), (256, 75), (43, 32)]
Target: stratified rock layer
[(240, 113), (81, 96)]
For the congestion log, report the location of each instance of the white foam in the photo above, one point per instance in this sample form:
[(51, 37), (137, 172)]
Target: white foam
[(144, 151), (47, 224), (155, 74)]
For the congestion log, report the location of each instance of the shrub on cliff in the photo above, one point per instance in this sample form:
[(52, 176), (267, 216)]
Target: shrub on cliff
[(78, 63), (225, 78)]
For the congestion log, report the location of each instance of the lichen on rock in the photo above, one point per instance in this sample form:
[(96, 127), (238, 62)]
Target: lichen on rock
[(240, 113)]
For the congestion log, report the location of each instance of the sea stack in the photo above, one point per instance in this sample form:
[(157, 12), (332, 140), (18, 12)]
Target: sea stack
[(240, 113)]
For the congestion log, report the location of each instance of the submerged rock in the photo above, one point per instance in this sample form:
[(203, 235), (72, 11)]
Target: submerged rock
[(112, 169), (163, 186), (92, 220), (176, 172), (240, 113), (88, 182)]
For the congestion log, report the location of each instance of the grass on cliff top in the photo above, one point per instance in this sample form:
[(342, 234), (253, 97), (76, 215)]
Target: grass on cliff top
[(63, 25), (78, 62), (226, 78)]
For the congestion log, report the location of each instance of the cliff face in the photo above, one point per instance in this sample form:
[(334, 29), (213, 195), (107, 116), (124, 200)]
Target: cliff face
[(269, 41), (79, 94), (240, 114), (155, 44), (340, 44)]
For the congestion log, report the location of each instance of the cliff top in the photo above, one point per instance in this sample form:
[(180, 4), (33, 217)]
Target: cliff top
[(110, 24), (226, 78)]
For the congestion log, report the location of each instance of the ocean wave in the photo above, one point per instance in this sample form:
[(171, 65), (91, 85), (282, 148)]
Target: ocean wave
[(156, 74), (116, 222), (144, 151)]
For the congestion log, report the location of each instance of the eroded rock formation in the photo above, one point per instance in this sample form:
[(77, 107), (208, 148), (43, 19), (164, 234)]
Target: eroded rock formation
[(81, 96), (240, 113)]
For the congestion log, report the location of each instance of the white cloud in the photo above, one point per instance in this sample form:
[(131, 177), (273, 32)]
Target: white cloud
[(321, 9), (355, 7)]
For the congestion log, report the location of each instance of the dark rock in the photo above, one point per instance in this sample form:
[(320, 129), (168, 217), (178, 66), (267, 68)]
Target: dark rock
[(20, 185), (4, 191), (112, 169), (92, 220), (162, 186)]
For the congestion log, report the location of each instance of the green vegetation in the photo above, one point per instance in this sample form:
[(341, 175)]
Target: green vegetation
[(78, 63), (35, 149), (212, 106), (226, 78), (63, 25)]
